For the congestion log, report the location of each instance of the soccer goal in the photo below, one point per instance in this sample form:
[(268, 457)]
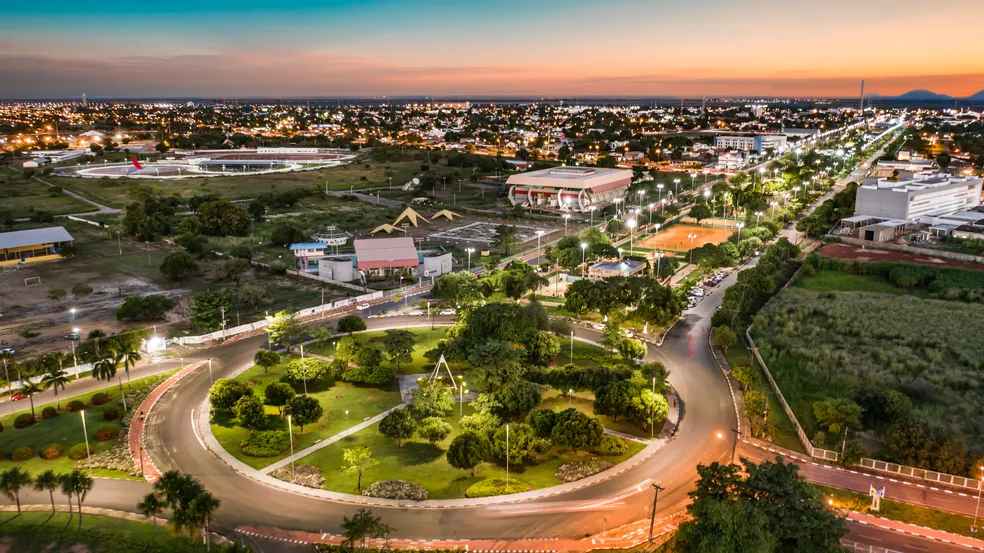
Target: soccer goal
[(32, 281)]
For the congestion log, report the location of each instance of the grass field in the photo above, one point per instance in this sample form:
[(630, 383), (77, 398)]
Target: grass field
[(22, 197), (44, 531), (65, 429), (675, 237), (419, 364), (426, 464), (360, 401), (584, 402), (837, 281)]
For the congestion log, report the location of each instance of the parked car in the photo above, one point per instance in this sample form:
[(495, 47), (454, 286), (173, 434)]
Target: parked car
[(447, 312), (416, 313), (710, 282), (598, 327), (17, 397), (363, 306)]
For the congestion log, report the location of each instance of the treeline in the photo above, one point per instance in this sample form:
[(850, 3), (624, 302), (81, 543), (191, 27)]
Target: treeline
[(755, 285), (826, 215), (947, 283), (628, 298)]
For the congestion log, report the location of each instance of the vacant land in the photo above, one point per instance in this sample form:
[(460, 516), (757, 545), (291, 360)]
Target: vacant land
[(23, 197), (836, 344), (847, 251), (675, 237), (836, 281)]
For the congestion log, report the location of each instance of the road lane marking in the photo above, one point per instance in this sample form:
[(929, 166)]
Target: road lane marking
[(195, 430)]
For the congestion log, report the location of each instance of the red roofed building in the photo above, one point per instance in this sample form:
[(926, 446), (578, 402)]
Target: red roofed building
[(386, 253)]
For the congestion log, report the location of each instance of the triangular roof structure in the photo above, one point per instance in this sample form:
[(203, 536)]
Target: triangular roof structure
[(387, 228), (437, 370), (447, 214), (411, 215)]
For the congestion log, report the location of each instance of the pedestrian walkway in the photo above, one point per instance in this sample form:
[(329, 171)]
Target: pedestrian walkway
[(327, 442), (135, 437), (914, 530)]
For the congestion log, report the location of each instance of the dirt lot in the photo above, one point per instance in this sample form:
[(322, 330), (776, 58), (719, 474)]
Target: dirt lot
[(675, 237), (847, 251)]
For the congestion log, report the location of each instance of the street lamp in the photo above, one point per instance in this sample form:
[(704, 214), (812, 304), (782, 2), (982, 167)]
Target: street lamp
[(632, 225), (591, 210), (584, 248), (539, 233), (693, 180), (567, 217), (290, 433), (691, 237), (641, 194), (461, 401), (734, 445), (651, 214), (85, 433), (977, 509), (659, 188), (773, 204), (739, 226), (507, 456), (677, 183), (72, 311), (707, 194), (758, 214), (659, 257), (469, 250)]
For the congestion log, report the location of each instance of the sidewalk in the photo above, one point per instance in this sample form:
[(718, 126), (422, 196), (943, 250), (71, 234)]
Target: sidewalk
[(135, 437), (914, 530)]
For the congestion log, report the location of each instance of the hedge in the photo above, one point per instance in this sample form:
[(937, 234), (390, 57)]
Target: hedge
[(496, 486), (106, 433), (49, 412), (396, 489), (75, 406), (111, 414), (51, 451), (78, 452), (24, 420), (99, 398), (22, 453), (611, 445), (268, 443)]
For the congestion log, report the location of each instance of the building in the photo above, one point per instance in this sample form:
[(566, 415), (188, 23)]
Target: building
[(758, 143), (30, 246), (385, 254), (577, 189), (623, 268), (731, 161), (917, 199)]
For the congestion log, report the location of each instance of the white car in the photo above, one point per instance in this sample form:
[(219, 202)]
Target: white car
[(598, 327), (416, 313), (447, 312), (697, 292), (363, 306)]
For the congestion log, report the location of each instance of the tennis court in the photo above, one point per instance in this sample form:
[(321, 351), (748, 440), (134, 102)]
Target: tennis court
[(676, 238)]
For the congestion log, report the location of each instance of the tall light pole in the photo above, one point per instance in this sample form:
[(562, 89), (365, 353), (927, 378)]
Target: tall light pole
[(539, 255), (677, 183), (659, 258), (88, 454), (567, 217), (303, 372), (461, 401), (978, 508), (642, 193), (210, 382), (659, 188), (758, 215), (584, 249), (656, 234), (773, 204), (693, 181), (651, 214), (507, 456), (734, 444), (739, 226), (691, 237), (632, 225), (469, 250), (572, 346), (290, 433), (591, 211)]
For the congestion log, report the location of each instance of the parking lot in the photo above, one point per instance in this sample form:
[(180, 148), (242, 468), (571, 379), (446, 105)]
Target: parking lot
[(697, 293)]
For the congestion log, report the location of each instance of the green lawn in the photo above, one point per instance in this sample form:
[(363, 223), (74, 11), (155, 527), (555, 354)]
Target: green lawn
[(23, 197), (44, 531), (425, 464), (65, 429), (837, 281), (584, 402), (359, 400), (902, 512), (426, 339)]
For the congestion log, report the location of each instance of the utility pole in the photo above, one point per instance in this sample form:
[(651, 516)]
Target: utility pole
[(652, 517), (222, 309)]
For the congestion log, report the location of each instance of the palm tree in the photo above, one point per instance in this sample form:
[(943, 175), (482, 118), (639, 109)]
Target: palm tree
[(361, 527), (79, 484), (48, 481), (130, 357), (55, 378), (201, 513), (105, 369), (117, 359), (12, 481), (152, 506), (7, 358), (29, 388), (95, 335)]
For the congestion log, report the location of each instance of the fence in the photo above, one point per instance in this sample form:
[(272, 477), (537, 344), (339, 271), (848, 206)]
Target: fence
[(922, 474), (815, 452), (856, 547), (77, 372)]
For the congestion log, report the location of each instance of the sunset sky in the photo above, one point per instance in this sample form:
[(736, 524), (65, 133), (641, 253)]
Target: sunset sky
[(184, 48)]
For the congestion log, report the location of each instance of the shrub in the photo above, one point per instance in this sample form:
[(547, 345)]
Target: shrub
[(81, 289), (396, 489), (576, 470), (495, 486), (611, 445), (381, 374), (313, 370), (79, 452), (51, 451), (111, 414), (75, 406), (106, 433), (99, 398), (24, 420), (22, 453), (269, 443), (49, 412)]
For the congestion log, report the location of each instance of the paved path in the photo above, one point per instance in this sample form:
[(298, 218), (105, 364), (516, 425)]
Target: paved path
[(99, 207)]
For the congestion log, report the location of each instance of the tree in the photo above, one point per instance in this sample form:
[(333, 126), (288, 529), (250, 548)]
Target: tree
[(208, 309), (144, 308), (399, 346), (434, 429), (745, 376), (700, 212), (542, 421), (28, 389), (347, 349), (756, 409), (277, 394), (53, 379), (468, 450), (521, 440), (724, 337), (359, 460), (350, 324), (178, 266), (48, 481), (461, 288), (177, 491), (266, 359), (612, 336), (249, 412), (483, 423), (518, 396), (432, 399), (152, 506), (285, 234), (399, 424), (222, 218), (369, 358), (542, 348), (632, 349), (362, 526), (12, 481), (837, 413), (493, 364), (724, 527), (201, 512), (576, 430), (256, 210), (303, 410), (657, 370), (105, 370), (234, 269), (614, 400), (79, 484), (897, 405), (648, 407), (506, 238), (129, 357), (283, 328), (252, 295), (226, 392)]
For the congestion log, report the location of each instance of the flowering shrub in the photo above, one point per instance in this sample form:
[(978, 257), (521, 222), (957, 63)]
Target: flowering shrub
[(396, 489), (49, 413), (304, 475), (106, 433), (51, 451), (78, 452), (576, 470), (22, 453)]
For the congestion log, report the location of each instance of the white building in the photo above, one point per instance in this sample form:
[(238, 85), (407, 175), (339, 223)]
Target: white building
[(569, 188), (918, 199), (758, 143)]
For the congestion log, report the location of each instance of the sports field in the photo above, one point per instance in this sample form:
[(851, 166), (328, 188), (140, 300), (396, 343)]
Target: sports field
[(675, 238)]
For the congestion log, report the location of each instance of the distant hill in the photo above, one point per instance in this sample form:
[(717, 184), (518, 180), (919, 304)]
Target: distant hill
[(978, 96), (922, 95)]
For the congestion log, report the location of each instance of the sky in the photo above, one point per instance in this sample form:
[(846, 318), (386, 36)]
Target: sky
[(550, 48)]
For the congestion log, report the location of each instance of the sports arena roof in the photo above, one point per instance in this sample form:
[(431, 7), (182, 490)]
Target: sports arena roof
[(571, 177), (384, 253)]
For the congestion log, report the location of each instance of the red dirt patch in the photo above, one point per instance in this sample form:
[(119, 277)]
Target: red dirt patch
[(847, 251)]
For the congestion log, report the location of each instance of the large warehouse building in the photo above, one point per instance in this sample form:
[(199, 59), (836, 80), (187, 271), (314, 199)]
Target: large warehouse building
[(575, 189), (918, 198)]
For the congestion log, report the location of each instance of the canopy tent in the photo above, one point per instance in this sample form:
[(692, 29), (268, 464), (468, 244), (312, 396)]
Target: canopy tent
[(387, 228), (447, 214), (411, 216)]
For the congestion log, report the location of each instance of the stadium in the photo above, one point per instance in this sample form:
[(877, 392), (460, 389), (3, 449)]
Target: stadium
[(216, 163), (569, 189)]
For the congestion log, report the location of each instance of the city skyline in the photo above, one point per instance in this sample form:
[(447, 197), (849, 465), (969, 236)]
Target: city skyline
[(506, 48)]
